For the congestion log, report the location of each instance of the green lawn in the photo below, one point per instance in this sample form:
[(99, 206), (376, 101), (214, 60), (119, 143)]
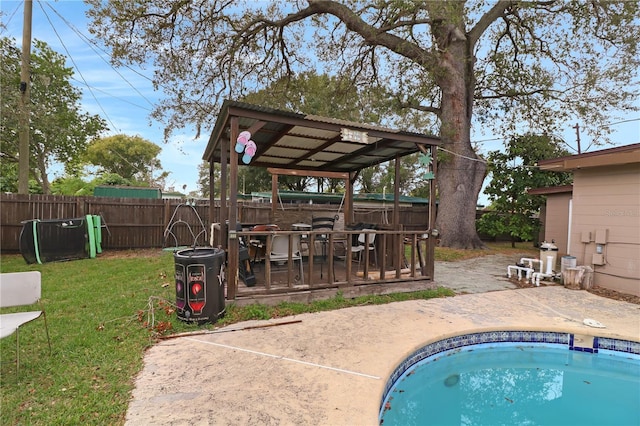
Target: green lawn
[(452, 255), (103, 313), (97, 339)]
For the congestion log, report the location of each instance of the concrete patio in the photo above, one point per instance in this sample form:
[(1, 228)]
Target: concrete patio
[(330, 368)]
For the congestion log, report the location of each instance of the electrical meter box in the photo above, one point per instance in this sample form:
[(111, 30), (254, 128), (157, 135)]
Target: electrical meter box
[(601, 236)]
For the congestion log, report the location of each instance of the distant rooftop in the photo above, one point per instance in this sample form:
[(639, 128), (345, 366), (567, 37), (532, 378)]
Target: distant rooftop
[(336, 198)]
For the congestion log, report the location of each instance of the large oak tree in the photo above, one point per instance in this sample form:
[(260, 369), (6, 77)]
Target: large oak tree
[(504, 66)]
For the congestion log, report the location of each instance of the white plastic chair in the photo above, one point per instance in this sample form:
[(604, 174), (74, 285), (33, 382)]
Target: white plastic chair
[(361, 247), (20, 289), (280, 251)]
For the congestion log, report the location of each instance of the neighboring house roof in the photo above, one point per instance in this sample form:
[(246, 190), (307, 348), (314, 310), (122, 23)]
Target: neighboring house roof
[(620, 155), (173, 195), (126, 191), (326, 197)]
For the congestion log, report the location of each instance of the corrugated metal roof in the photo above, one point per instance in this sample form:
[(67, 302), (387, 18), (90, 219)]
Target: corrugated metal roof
[(308, 142), (126, 192)]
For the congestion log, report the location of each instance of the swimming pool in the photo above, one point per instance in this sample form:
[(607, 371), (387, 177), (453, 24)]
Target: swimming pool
[(516, 377)]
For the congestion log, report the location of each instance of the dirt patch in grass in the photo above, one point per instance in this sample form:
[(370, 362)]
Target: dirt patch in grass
[(447, 254)]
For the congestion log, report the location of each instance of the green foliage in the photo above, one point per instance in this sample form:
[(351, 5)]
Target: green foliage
[(203, 179), (71, 186), (439, 66), (8, 176), (517, 225), (254, 312), (308, 93), (116, 180), (76, 185), (381, 178), (513, 173), (254, 179), (60, 131), (321, 94), (132, 158)]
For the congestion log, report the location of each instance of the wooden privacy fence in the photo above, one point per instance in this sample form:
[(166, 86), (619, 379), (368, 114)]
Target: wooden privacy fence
[(128, 223), (131, 223)]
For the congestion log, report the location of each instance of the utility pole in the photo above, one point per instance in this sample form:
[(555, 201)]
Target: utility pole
[(577, 127), (25, 100)]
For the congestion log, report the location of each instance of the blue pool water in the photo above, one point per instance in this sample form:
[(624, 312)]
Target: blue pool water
[(517, 384)]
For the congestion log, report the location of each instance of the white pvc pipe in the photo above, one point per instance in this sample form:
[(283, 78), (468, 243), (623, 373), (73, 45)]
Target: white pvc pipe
[(569, 226), (531, 261), (549, 270)]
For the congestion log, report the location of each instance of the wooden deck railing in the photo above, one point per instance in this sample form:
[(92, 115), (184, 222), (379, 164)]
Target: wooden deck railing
[(402, 256)]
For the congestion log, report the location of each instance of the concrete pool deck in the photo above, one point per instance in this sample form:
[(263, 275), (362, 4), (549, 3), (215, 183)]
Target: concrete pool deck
[(330, 368)]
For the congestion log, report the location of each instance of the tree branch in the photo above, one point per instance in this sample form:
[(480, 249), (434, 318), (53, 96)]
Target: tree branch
[(408, 23), (514, 94), (418, 106), (371, 35), (486, 20)]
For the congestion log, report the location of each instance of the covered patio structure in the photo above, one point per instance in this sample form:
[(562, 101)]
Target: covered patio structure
[(305, 145)]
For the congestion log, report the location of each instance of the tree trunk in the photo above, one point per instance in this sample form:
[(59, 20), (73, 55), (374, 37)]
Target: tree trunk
[(460, 171), (40, 173), (459, 183)]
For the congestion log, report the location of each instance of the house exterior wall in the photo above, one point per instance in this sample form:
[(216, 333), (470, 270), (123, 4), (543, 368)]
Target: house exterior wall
[(606, 203), (556, 221)]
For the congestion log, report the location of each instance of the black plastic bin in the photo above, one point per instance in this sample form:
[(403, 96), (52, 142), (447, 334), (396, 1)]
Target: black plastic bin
[(200, 284)]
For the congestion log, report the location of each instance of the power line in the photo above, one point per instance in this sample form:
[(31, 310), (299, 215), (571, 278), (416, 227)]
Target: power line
[(76, 66), (479, 160), (94, 46), (115, 97), (620, 122), (487, 140), (604, 125), (12, 15)]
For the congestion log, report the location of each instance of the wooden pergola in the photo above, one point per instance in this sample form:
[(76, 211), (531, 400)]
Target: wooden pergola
[(296, 144)]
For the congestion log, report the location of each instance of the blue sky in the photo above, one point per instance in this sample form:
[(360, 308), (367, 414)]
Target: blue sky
[(123, 97)]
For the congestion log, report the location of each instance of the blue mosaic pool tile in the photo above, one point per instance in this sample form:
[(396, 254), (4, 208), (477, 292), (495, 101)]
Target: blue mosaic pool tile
[(472, 339), (579, 349), (619, 345)]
